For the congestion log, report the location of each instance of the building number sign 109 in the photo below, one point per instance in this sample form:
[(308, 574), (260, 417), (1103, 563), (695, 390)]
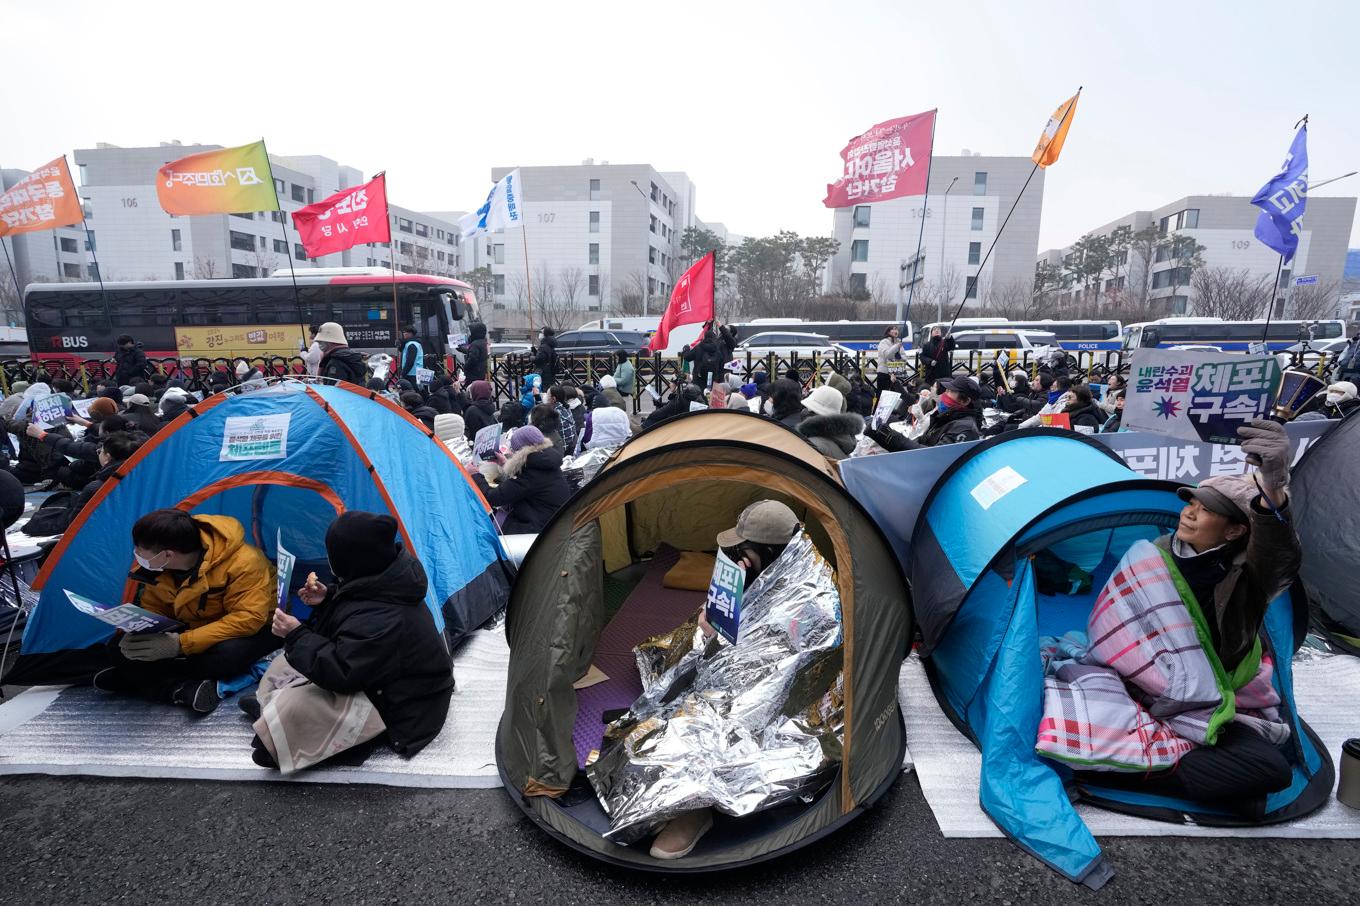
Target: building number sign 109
[(1241, 244)]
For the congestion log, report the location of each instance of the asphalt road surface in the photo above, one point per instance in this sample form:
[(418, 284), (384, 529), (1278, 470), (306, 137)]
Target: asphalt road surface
[(77, 840)]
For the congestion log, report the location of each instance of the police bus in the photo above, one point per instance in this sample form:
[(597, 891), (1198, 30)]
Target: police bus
[(862, 336), (244, 317), (1075, 336), (1230, 336)]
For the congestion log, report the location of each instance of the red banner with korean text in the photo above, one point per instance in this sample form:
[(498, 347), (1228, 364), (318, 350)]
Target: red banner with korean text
[(348, 218), (43, 200), (691, 301), (891, 160)]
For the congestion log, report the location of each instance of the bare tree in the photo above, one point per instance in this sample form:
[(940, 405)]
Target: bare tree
[(571, 284), (205, 268), (11, 306), (1310, 303), (601, 298), (1015, 300), (264, 262), (518, 288), (629, 298), (1233, 295)]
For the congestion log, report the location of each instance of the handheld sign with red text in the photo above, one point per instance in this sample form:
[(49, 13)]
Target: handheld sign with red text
[(1197, 395)]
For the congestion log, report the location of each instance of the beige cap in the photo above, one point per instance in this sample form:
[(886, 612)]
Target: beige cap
[(1226, 495), (330, 332), (825, 400), (763, 522)]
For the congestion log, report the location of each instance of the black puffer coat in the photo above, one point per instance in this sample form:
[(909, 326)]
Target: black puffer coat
[(952, 427), (375, 635), (477, 416), (1088, 416), (532, 488)]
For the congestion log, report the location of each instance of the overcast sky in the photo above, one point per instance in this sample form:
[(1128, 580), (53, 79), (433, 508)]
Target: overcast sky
[(754, 100)]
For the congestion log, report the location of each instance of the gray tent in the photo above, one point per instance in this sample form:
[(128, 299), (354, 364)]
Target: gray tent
[(680, 484), (1325, 498)]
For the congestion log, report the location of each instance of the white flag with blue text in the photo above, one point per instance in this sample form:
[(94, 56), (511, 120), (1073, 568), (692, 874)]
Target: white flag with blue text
[(504, 208)]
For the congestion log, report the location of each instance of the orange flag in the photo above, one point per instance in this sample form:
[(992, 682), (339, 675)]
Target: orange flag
[(43, 200), (225, 181), (1055, 132)]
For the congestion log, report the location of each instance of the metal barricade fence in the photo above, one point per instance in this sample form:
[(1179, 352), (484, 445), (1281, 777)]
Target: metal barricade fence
[(507, 373)]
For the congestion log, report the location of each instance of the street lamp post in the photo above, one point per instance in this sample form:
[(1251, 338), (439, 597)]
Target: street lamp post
[(944, 235), (646, 264)]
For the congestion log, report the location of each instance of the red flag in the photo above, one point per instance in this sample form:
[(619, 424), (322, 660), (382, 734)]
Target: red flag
[(691, 301), (348, 218), (889, 161)]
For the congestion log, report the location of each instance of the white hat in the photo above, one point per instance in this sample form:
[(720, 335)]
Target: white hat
[(1345, 388), (330, 332), (608, 383), (449, 427), (825, 400)]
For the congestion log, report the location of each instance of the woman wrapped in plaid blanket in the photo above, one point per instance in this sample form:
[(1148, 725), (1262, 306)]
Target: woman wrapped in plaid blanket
[(1172, 693)]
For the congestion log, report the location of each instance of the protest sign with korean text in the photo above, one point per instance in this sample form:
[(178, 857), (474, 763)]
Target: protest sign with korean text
[(887, 403), (43, 200), (348, 218), (725, 591), (222, 181), (486, 442), (249, 437), (888, 161), (284, 561), (50, 411), (1198, 395)]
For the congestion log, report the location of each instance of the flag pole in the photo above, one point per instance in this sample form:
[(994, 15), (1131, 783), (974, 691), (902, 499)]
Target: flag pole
[(528, 284), (920, 237), (89, 240), (287, 252), (14, 275), (972, 281)]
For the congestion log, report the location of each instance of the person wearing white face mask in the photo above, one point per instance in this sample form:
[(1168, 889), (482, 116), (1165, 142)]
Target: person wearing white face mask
[(199, 571), (1341, 401)]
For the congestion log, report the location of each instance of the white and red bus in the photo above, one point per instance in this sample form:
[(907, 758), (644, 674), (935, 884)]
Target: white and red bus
[(214, 319)]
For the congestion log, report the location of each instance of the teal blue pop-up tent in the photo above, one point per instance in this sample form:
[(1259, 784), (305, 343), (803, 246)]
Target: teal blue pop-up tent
[(286, 458), (977, 595)]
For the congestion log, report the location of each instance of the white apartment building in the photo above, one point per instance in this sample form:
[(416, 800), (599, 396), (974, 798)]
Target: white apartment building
[(136, 240), (596, 234), (966, 200), (1224, 225)]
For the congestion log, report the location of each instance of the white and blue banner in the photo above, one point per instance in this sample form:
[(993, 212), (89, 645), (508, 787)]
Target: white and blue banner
[(504, 208), (1283, 199)]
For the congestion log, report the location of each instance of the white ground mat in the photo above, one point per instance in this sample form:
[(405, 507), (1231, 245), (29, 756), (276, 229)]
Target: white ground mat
[(948, 765), (81, 731)]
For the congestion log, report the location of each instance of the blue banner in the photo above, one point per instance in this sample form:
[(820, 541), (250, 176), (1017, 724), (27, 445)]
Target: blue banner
[(1283, 199)]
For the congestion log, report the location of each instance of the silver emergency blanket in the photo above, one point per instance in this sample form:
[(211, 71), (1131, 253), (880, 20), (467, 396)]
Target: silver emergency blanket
[(588, 462), (712, 728)]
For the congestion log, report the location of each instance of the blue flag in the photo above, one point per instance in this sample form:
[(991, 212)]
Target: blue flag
[(1283, 199)]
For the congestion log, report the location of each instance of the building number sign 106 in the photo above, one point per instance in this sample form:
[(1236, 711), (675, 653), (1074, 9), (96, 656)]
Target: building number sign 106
[(130, 202)]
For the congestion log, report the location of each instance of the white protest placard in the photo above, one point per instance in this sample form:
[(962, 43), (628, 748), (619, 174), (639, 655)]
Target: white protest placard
[(247, 437), (697, 407), (887, 403), (487, 441), (424, 376), (1194, 395), (82, 407)]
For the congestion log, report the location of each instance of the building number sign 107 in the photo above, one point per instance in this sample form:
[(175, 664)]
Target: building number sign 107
[(547, 217)]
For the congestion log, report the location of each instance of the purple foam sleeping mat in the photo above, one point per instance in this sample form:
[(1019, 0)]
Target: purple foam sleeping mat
[(649, 610)]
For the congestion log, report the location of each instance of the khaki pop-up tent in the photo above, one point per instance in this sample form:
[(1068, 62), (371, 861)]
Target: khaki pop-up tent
[(677, 486)]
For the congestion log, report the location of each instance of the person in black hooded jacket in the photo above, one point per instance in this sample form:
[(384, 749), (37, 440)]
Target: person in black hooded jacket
[(476, 353), (370, 635), (414, 403), (1083, 412), (481, 411), (545, 357), (678, 404)]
